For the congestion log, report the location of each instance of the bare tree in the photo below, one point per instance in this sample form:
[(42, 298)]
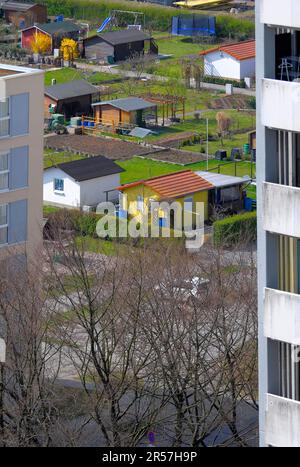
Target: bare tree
[(224, 123)]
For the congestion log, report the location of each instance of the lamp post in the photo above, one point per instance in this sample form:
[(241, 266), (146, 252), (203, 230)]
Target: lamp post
[(2, 363)]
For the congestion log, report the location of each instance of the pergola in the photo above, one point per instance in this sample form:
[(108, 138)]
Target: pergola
[(170, 104)]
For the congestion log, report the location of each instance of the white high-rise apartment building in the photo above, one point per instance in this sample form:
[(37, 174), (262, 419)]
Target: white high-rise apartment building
[(21, 160), (278, 192)]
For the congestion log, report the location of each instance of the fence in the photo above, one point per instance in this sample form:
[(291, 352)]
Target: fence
[(236, 168)]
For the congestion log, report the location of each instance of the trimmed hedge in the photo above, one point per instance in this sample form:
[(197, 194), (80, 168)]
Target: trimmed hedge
[(160, 17), (235, 229), (217, 80)]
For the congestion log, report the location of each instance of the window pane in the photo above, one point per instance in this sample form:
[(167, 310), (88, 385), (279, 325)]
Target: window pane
[(3, 214), (4, 109), (4, 127), (58, 185), (3, 162), (3, 235), (3, 181)]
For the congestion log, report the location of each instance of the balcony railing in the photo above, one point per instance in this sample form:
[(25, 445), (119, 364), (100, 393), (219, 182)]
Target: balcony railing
[(280, 13), (282, 422), (281, 104), (282, 316), (281, 207)]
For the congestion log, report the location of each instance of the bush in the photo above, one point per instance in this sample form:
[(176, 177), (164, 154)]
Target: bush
[(223, 81), (235, 229), (73, 219), (252, 102)]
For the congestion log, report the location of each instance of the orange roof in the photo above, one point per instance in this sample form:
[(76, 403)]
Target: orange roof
[(240, 50), (173, 185)]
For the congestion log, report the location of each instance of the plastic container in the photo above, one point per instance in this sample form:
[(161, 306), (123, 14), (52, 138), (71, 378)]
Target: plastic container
[(246, 149), (248, 204)]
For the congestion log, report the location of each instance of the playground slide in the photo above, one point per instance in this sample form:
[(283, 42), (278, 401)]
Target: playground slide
[(104, 24)]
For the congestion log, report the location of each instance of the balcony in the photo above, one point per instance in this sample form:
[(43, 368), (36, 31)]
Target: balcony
[(282, 422), (280, 107), (281, 207), (282, 316), (280, 13)]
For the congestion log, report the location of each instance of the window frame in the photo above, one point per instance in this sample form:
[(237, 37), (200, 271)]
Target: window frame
[(5, 226), (6, 171), (7, 118), (140, 203), (57, 190)]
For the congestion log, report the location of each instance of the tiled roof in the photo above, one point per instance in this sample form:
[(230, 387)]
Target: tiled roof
[(174, 185), (240, 50)]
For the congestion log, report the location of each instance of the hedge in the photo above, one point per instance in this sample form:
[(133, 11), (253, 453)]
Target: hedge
[(73, 219), (159, 17), (235, 229), (217, 80)]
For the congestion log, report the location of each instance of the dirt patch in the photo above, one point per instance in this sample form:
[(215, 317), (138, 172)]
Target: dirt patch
[(230, 102), (119, 150), (174, 141), (111, 148), (176, 156)]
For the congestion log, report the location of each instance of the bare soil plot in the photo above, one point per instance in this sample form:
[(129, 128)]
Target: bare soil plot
[(111, 148)]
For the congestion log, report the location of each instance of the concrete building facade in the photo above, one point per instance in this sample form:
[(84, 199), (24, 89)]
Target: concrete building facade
[(278, 197), (21, 160)]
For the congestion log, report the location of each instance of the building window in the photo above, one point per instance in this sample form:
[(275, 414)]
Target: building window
[(140, 203), (3, 224), (189, 203), (59, 185), (4, 171), (4, 118)]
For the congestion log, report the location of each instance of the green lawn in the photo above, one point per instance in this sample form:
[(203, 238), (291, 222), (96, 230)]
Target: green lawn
[(142, 169), (251, 191), (65, 75), (196, 99), (97, 245), (236, 141), (47, 210), (240, 120), (53, 157), (179, 46)]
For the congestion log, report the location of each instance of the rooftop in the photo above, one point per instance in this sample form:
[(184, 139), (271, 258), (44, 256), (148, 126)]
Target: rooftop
[(239, 50), (17, 6), (220, 180), (174, 185), (12, 70), (57, 28), (128, 104), (71, 89), (124, 36), (89, 168)]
